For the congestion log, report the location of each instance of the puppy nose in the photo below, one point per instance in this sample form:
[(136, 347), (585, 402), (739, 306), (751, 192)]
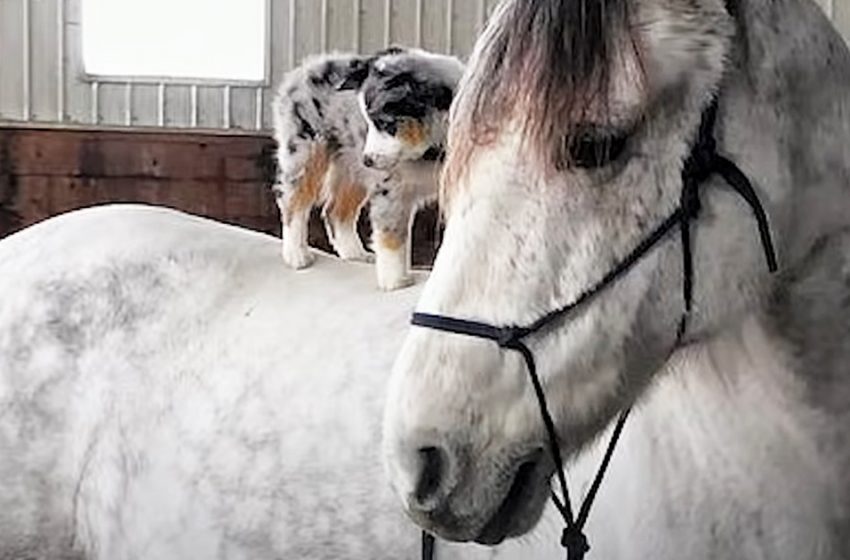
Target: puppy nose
[(368, 161)]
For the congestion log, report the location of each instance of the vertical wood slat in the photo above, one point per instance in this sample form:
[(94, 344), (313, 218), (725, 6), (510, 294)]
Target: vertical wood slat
[(60, 67), (388, 22), (450, 20), (420, 13), (258, 108), (160, 105), (95, 102), (128, 104), (193, 103), (482, 15), (355, 31), (226, 110), (293, 16), (323, 32), (26, 55)]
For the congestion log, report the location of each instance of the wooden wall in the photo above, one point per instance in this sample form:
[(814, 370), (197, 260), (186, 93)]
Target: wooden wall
[(227, 178), (47, 173)]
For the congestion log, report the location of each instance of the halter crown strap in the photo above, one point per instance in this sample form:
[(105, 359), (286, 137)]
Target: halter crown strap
[(702, 163)]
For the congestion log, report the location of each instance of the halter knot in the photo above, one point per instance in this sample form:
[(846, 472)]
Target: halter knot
[(702, 160), (574, 540), (509, 337)]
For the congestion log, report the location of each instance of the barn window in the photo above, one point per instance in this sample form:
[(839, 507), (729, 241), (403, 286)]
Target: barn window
[(188, 40)]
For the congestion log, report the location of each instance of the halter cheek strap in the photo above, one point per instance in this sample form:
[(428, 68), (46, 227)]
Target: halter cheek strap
[(702, 163)]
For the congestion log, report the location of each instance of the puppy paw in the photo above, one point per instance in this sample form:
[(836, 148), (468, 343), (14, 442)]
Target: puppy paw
[(390, 282), (361, 255), (297, 257)]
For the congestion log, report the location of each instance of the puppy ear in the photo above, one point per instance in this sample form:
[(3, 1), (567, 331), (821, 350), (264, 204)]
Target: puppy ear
[(356, 74)]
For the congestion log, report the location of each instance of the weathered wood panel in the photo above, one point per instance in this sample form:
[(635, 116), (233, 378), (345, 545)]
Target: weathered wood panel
[(48, 172), (43, 173)]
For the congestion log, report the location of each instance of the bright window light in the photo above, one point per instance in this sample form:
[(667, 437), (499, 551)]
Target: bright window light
[(211, 39)]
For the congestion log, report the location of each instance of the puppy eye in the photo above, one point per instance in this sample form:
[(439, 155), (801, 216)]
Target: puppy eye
[(387, 126), (592, 148)]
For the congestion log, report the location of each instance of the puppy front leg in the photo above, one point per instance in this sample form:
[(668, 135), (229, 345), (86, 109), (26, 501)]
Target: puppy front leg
[(391, 213)]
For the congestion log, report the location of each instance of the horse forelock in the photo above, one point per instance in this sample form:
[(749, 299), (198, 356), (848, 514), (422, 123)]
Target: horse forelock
[(546, 65)]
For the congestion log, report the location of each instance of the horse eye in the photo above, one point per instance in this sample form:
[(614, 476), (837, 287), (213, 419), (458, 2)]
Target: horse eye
[(595, 149)]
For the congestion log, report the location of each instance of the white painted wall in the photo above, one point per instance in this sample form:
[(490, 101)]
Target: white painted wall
[(42, 81), (41, 75)]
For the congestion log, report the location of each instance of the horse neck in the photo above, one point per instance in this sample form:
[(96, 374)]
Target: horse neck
[(742, 381), (725, 449)]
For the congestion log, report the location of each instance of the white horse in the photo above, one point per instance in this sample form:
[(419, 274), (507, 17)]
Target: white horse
[(170, 391), (567, 146)]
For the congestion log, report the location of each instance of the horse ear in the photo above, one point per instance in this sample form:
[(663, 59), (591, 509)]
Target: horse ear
[(357, 73)]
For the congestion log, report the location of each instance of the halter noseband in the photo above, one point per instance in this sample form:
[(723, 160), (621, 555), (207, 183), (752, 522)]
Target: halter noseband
[(702, 163)]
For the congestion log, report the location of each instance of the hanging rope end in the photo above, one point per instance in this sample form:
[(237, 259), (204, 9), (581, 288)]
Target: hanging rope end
[(574, 540), (770, 255)]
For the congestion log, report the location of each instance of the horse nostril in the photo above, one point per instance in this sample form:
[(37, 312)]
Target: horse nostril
[(368, 161), (431, 463)]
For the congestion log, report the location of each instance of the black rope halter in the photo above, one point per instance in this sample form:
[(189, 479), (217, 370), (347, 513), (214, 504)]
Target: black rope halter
[(702, 163)]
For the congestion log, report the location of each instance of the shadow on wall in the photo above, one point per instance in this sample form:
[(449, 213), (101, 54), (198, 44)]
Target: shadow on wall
[(47, 172)]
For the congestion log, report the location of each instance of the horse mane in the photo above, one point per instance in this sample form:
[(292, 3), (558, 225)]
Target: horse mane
[(546, 60)]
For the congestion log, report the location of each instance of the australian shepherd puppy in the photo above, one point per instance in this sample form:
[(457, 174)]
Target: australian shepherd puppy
[(352, 128)]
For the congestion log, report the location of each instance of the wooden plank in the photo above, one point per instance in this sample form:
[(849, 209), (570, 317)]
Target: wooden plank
[(403, 22), (371, 25), (112, 101), (434, 25), (45, 64), (210, 107), (145, 105), (308, 36), (136, 155), (34, 153), (465, 26), (77, 92), (341, 14), (11, 68), (32, 200), (242, 108)]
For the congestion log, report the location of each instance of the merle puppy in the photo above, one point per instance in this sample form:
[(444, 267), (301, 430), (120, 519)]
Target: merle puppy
[(352, 128)]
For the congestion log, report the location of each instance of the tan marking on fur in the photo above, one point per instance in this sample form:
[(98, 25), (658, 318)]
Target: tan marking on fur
[(347, 200), (309, 188), (412, 133), (389, 240)]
